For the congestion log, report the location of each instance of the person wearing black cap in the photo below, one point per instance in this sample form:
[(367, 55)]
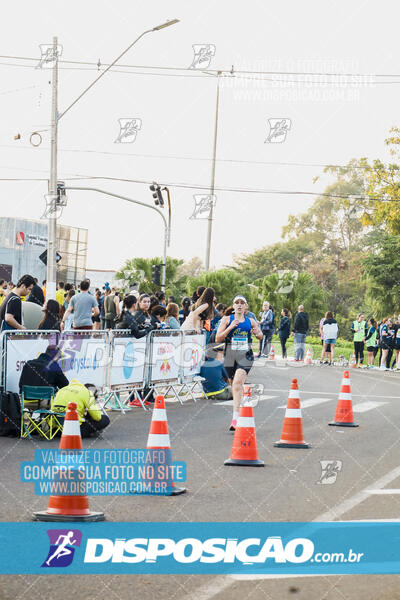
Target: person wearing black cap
[(236, 331)]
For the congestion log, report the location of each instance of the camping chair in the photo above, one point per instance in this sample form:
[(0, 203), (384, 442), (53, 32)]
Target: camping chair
[(36, 415)]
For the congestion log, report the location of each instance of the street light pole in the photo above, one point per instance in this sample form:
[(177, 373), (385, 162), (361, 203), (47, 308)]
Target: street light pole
[(211, 213), (51, 271), (166, 225)]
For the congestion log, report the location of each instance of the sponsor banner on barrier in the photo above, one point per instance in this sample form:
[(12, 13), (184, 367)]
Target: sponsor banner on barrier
[(103, 472), (166, 357), (128, 360), (200, 548), (193, 354)]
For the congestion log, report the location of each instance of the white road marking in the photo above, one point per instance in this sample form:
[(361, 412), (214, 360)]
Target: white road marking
[(311, 402), (385, 491), (286, 391), (222, 582), (230, 402), (364, 406)]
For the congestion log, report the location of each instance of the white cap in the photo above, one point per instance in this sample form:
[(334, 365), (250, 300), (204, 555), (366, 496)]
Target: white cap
[(239, 298)]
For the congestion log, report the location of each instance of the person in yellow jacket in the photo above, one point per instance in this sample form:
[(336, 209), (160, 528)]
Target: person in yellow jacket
[(91, 419)]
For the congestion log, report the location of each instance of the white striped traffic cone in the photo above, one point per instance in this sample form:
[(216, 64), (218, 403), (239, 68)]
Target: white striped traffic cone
[(308, 360), (272, 353), (159, 436), (69, 508), (344, 408), (292, 432)]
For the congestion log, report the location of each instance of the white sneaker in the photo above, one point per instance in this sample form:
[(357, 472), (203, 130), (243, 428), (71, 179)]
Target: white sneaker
[(382, 368)]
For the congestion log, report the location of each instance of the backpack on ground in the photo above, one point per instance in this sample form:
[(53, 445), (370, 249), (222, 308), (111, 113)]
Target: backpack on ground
[(10, 414)]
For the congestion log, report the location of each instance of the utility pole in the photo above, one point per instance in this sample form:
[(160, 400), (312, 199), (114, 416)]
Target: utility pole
[(211, 213), (51, 272)]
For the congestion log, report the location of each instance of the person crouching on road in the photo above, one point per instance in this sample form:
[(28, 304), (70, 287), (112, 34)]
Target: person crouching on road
[(91, 418)]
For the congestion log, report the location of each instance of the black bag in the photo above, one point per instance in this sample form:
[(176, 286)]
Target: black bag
[(10, 414)]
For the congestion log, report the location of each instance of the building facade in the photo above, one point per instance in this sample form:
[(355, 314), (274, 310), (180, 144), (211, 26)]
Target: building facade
[(23, 241)]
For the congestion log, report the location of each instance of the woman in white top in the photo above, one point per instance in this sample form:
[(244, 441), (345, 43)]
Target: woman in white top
[(202, 310)]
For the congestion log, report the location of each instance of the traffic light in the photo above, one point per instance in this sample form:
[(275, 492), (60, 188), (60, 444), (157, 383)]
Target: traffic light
[(157, 195), (156, 274)]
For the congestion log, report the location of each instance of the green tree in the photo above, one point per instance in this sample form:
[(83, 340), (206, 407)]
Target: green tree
[(381, 269), (225, 282), (139, 271), (289, 291)]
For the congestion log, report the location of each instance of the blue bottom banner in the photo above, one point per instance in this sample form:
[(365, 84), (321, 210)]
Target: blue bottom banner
[(200, 548)]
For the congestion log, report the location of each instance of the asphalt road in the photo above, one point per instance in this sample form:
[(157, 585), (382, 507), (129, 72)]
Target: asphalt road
[(287, 489)]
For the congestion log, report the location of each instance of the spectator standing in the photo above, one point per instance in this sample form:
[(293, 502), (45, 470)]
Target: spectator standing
[(158, 314), (267, 326), (36, 296), (70, 318), (44, 282), (111, 308), (51, 319), (300, 330), (328, 348), (330, 333), (84, 306), (127, 320), (185, 310), (360, 331), (171, 322), (284, 330), (370, 341), (11, 309), (60, 293), (142, 315), (386, 341), (96, 318), (202, 310)]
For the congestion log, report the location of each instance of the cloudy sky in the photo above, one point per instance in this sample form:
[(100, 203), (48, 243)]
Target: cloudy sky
[(331, 119)]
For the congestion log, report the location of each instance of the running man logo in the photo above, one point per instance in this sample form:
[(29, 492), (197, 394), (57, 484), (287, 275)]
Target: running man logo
[(286, 281), (330, 470), (165, 367), (202, 205), (278, 129), (48, 56), (62, 547), (128, 129), (203, 53)]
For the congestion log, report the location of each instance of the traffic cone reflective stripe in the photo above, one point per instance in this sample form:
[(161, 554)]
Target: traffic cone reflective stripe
[(292, 432), (244, 451), (159, 437), (308, 360), (344, 408), (69, 508)]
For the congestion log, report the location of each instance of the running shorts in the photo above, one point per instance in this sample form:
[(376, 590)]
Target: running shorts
[(237, 360)]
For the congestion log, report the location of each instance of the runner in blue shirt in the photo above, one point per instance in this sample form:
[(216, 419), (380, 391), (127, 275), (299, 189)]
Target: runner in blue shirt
[(236, 331)]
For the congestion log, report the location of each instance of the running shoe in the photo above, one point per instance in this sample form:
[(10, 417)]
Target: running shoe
[(233, 425)]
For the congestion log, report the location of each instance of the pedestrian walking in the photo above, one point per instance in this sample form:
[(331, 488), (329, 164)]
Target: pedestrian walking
[(300, 330)]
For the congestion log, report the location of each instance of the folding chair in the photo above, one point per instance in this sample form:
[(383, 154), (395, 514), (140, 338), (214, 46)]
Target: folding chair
[(36, 415)]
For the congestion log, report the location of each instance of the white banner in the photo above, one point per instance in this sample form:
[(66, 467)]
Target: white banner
[(19, 351), (128, 360), (193, 353)]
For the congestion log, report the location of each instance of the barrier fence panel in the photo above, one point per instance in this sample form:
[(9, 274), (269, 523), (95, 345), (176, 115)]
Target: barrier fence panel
[(126, 368), (85, 355), (19, 347), (111, 360), (193, 351)]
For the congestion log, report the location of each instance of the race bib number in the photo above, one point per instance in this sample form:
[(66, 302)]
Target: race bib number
[(240, 343)]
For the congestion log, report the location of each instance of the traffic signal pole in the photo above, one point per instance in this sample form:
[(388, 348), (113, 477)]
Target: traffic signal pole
[(167, 225)]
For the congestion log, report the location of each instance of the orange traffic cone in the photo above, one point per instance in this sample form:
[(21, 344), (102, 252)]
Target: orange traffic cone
[(353, 362), (272, 353), (308, 360), (292, 432), (244, 451), (246, 394), (159, 437), (69, 508), (344, 408)]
